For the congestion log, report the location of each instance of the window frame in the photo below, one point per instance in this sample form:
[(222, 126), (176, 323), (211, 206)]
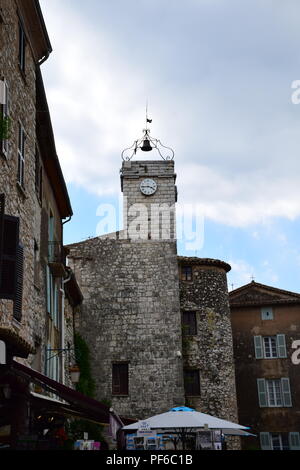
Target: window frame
[(21, 155), (184, 276), (193, 324), (120, 389), (22, 47), (192, 392), (5, 114)]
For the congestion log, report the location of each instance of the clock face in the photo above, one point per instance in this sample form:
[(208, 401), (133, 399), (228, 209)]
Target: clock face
[(148, 187)]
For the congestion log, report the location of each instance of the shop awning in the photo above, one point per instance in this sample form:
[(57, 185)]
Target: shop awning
[(73, 403)]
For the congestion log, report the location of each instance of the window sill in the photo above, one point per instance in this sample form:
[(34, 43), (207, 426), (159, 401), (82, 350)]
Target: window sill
[(21, 190), (120, 396)]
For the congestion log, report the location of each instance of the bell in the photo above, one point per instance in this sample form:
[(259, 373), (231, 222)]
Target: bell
[(146, 147)]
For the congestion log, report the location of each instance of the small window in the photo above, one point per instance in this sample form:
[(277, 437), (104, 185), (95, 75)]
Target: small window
[(5, 122), (189, 323), (192, 382), (21, 155), (38, 176), (267, 313), (22, 47), (120, 379), (186, 273)]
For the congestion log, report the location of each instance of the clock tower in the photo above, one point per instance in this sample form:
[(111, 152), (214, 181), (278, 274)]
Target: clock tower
[(149, 197)]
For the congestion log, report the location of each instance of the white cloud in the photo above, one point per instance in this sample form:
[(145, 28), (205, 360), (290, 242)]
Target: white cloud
[(219, 93)]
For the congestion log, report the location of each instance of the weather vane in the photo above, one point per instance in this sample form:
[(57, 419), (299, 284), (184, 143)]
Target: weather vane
[(147, 143)]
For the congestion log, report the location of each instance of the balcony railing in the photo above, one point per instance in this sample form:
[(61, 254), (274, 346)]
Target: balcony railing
[(56, 257)]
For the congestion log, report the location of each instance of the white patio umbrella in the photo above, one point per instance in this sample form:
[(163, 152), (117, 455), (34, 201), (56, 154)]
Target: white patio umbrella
[(184, 417)]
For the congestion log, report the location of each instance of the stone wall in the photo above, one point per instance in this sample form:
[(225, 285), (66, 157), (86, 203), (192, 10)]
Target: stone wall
[(211, 350), (131, 313)]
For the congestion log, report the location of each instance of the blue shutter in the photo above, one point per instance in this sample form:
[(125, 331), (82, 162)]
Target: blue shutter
[(281, 346), (294, 440), (265, 441), (262, 393), (258, 346), (286, 392)]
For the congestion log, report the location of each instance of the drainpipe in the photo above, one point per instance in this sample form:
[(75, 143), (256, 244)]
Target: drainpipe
[(62, 290)]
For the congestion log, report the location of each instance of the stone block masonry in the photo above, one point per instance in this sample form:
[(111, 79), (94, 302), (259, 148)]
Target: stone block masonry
[(131, 314)]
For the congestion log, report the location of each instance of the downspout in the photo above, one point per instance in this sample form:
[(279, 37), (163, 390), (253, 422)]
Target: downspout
[(62, 290)]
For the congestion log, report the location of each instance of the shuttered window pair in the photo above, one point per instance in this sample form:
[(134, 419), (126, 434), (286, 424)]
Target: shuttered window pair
[(274, 392), (268, 347), (277, 441), (11, 260)]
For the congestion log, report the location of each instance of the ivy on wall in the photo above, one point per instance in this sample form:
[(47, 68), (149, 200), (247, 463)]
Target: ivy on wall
[(86, 384)]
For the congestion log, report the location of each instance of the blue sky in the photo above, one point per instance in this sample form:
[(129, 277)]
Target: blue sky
[(218, 79)]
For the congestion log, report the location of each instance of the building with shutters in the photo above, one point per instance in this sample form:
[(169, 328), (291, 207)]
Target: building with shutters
[(266, 338), (39, 294)]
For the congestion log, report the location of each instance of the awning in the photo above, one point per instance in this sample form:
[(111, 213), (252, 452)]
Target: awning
[(73, 403)]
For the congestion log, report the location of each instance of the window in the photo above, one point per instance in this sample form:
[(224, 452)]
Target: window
[(269, 347), (120, 379), (192, 382), (38, 176), (274, 392), (4, 120), (267, 313), (186, 273), (189, 323), (52, 297), (21, 155), (280, 441), (22, 47)]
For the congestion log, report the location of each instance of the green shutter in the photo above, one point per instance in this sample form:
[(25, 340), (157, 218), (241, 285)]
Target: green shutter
[(265, 441), (262, 393), (281, 346), (294, 440), (286, 392), (258, 346)]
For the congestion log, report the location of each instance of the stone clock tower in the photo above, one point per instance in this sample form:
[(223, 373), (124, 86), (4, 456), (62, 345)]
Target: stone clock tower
[(149, 196)]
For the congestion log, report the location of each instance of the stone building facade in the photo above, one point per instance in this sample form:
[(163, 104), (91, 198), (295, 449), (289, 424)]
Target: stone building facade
[(38, 296), (266, 338), (135, 304)]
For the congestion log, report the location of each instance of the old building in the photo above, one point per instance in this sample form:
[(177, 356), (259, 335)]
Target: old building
[(266, 338), (158, 325), (38, 292)]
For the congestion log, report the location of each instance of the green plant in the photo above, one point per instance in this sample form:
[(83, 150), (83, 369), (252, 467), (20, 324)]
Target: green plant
[(5, 127), (86, 384)]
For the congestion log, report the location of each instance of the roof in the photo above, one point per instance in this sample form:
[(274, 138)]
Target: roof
[(15, 343), (203, 262), (255, 293), (35, 29), (47, 148)]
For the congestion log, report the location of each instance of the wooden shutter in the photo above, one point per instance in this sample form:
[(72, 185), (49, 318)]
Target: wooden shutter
[(120, 379), (19, 284), (281, 346), (189, 323), (262, 393), (258, 346), (192, 382), (294, 440), (265, 441), (9, 256), (2, 206), (286, 392)]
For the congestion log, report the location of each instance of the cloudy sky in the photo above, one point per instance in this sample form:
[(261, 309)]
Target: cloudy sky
[(218, 77)]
